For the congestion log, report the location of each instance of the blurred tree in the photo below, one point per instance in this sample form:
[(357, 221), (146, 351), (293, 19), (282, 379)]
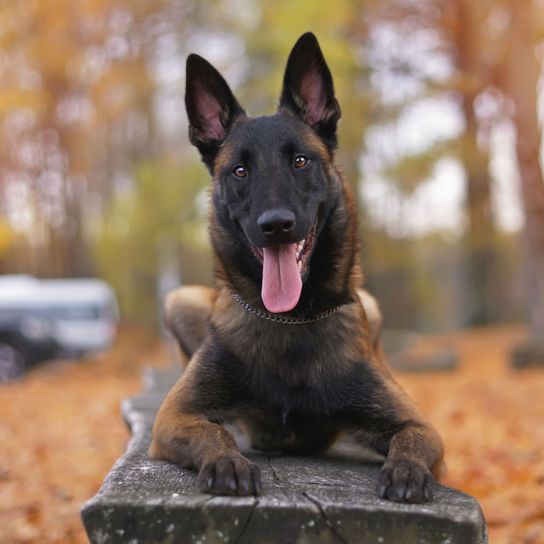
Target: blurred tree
[(520, 80), (55, 55), (451, 34), (156, 220), (470, 47)]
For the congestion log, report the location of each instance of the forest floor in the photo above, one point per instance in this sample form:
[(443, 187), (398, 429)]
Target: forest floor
[(61, 430)]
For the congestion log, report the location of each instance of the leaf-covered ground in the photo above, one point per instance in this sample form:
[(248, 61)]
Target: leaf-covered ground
[(60, 431)]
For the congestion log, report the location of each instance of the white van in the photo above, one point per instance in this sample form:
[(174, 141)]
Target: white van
[(79, 315)]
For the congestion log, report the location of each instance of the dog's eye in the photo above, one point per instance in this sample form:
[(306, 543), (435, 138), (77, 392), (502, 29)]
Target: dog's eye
[(301, 161), (239, 171)]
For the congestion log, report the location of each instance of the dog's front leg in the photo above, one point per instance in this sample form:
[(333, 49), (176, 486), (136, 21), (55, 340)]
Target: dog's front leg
[(183, 434), (414, 460), (385, 419), (194, 442)]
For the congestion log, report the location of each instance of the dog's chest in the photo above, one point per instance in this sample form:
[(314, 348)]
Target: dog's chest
[(294, 393), (288, 418), (290, 379), (294, 350)]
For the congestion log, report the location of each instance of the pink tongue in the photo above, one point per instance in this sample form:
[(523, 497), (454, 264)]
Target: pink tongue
[(282, 283)]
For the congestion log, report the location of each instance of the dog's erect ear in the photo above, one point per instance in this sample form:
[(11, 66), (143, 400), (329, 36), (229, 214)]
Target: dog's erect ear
[(211, 107), (308, 90)]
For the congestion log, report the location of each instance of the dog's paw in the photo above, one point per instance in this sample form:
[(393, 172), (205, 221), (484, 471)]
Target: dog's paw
[(230, 475), (405, 481)]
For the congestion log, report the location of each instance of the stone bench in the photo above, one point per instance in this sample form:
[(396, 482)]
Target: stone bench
[(305, 500)]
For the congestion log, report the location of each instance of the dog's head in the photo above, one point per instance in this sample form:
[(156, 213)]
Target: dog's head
[(272, 175)]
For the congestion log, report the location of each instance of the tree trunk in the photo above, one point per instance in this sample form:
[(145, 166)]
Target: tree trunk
[(522, 74), (480, 238)]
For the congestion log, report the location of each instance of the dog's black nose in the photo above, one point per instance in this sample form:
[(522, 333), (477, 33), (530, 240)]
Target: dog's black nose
[(276, 222)]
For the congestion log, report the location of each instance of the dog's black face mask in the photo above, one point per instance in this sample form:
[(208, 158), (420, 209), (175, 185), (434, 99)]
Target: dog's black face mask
[(271, 174)]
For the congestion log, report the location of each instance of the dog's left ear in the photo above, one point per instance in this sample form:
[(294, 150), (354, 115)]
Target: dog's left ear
[(308, 90)]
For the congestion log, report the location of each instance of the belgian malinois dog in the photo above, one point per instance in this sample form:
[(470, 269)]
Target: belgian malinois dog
[(286, 346)]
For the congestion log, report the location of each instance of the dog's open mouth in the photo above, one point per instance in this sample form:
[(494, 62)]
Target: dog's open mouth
[(283, 268)]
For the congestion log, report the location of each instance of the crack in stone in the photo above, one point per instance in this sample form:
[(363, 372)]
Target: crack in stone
[(277, 479), (274, 474), (343, 485), (331, 527), (248, 521)]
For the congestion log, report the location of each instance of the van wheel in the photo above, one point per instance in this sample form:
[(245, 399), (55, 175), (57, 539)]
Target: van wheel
[(12, 362)]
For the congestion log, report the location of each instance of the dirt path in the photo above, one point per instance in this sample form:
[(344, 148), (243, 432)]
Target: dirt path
[(60, 431)]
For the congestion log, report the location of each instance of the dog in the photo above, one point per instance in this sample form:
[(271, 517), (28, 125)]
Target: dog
[(287, 344)]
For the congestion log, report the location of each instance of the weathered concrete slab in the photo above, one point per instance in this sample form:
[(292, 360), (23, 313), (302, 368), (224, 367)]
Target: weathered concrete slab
[(305, 500)]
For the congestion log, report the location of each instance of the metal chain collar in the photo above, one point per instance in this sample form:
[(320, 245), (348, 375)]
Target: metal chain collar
[(284, 319)]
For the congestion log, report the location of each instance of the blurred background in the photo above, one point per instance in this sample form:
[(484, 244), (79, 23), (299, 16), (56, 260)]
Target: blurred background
[(440, 138)]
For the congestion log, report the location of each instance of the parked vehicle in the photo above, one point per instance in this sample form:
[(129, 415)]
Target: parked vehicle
[(40, 319), (23, 343)]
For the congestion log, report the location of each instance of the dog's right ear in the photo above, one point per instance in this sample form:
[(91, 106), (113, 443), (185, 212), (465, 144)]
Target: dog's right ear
[(211, 107)]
